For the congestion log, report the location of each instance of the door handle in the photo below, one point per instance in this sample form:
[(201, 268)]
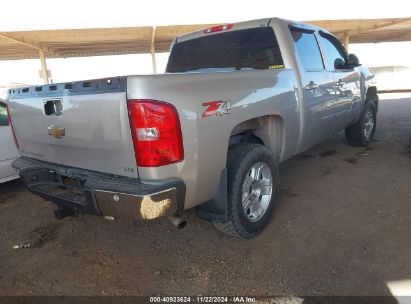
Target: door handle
[(311, 86), (340, 83)]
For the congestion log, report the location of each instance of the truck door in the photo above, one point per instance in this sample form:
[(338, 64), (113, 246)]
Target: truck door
[(347, 81), (318, 89)]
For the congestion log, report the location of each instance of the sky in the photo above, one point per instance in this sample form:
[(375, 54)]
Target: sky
[(44, 14), (47, 14)]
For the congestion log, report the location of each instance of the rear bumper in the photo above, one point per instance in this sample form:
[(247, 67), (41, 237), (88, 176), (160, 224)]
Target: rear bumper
[(101, 194)]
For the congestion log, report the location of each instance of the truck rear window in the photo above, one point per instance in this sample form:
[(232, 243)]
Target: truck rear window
[(255, 48)]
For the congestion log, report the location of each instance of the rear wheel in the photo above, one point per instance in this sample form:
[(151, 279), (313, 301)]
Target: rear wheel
[(252, 187), (362, 132)]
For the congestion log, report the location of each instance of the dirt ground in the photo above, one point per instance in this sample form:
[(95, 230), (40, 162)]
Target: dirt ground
[(342, 227)]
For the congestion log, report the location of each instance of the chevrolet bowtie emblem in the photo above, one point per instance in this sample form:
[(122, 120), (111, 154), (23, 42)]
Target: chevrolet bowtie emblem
[(56, 132)]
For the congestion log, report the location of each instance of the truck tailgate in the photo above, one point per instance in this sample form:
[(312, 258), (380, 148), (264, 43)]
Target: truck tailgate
[(82, 124)]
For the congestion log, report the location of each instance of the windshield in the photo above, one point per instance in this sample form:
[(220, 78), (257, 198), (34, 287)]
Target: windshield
[(255, 48)]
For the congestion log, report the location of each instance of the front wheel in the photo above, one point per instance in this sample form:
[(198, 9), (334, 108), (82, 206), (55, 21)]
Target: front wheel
[(362, 132), (252, 188)]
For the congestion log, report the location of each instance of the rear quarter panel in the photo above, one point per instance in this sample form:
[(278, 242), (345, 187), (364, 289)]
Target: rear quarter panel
[(251, 94)]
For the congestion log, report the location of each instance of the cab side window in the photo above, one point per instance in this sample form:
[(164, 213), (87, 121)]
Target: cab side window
[(4, 121), (334, 53), (307, 49)]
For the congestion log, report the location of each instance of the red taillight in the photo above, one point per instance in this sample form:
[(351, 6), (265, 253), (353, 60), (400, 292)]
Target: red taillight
[(11, 127), (218, 28), (155, 127)]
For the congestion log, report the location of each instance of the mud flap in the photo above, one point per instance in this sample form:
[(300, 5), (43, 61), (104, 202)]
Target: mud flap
[(216, 209)]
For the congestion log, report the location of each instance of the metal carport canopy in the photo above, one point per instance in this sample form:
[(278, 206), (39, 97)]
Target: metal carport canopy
[(132, 40)]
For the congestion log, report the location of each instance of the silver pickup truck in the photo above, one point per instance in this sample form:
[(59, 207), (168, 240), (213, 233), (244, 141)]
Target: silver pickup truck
[(236, 100)]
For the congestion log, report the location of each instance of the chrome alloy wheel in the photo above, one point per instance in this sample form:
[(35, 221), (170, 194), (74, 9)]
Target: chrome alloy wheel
[(368, 125), (257, 191)]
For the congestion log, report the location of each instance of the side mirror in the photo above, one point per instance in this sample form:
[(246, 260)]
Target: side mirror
[(339, 64), (353, 61)]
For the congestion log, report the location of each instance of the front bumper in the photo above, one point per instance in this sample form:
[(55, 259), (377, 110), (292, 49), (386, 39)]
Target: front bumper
[(101, 194)]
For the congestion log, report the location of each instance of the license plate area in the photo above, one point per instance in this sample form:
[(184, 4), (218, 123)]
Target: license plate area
[(72, 182), (51, 183), (72, 195)]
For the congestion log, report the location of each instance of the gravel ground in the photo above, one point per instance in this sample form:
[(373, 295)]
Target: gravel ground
[(342, 227)]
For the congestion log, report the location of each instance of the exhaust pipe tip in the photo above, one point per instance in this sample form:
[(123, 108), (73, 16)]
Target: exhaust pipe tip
[(178, 221), (182, 224)]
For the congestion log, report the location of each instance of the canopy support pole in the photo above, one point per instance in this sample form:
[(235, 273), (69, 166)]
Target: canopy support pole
[(346, 41), (43, 67), (153, 50)]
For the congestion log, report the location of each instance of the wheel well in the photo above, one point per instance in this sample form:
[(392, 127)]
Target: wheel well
[(245, 137), (266, 130)]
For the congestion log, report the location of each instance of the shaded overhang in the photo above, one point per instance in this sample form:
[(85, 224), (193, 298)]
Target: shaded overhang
[(133, 40)]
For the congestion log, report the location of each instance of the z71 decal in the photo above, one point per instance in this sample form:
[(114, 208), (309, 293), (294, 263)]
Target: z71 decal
[(217, 108)]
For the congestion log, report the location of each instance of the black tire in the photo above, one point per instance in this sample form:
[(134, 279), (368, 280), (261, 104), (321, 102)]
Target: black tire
[(241, 158), (355, 134)]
